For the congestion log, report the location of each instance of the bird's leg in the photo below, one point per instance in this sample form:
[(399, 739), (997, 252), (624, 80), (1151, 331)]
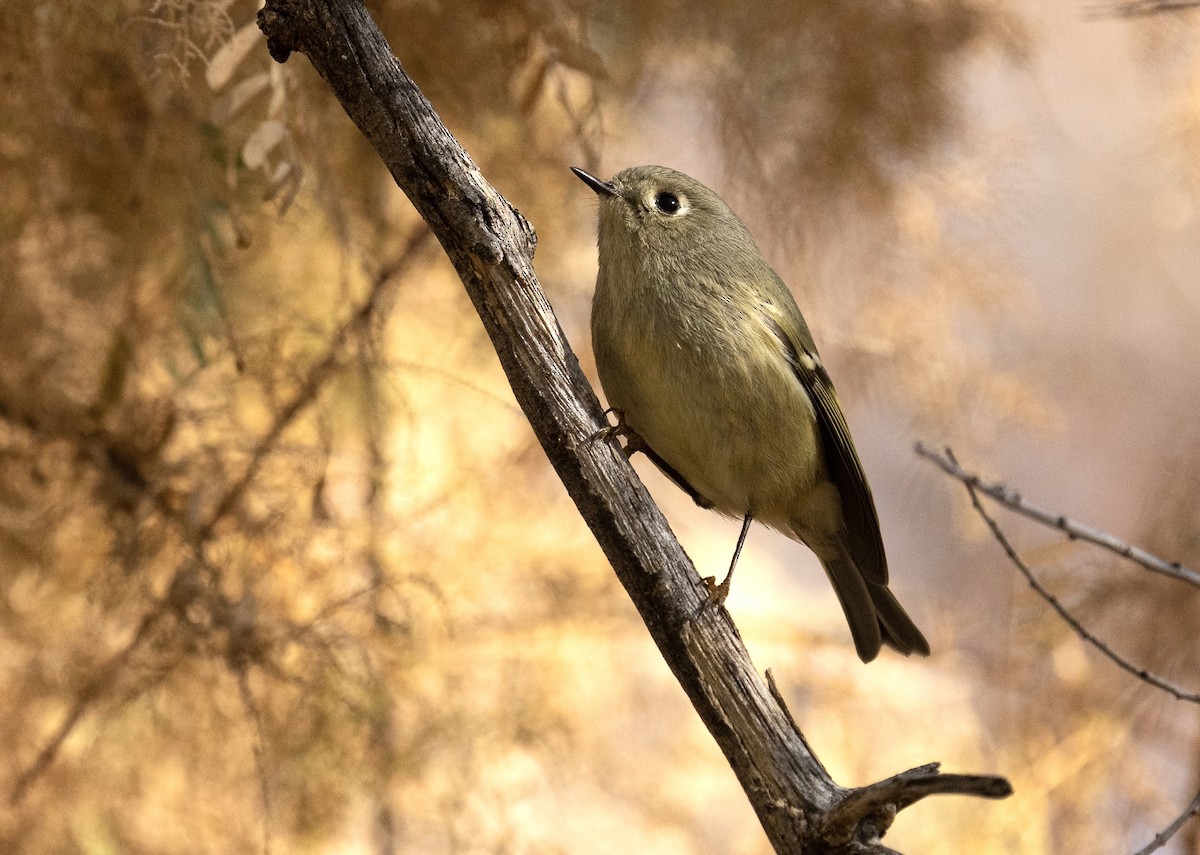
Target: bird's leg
[(633, 442), (718, 593)]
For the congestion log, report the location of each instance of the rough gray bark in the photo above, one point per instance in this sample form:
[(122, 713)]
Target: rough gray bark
[(491, 246)]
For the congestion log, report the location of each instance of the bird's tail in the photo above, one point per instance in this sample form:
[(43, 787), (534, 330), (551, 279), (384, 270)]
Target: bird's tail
[(899, 631), (875, 616)]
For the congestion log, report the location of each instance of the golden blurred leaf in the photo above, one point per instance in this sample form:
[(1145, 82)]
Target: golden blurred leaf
[(230, 103), (261, 141), (229, 56)]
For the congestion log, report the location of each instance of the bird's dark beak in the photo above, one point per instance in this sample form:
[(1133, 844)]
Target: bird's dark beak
[(602, 188)]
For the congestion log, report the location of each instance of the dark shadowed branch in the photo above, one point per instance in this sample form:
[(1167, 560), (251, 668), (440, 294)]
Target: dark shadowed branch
[(188, 585), (491, 246), (83, 702), (382, 289)]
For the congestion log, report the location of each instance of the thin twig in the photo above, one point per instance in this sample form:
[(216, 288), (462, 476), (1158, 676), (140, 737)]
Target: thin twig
[(973, 489), (1013, 500), (260, 761), (1167, 833), (1075, 531), (321, 370), (1135, 8), (304, 396), (86, 697)]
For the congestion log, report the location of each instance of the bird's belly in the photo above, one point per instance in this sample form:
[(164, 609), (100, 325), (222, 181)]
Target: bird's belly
[(740, 430)]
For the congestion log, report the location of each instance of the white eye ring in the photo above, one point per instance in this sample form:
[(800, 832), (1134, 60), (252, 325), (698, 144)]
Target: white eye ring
[(668, 203)]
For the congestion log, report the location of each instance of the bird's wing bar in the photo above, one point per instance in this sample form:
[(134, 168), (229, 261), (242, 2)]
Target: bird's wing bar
[(845, 469)]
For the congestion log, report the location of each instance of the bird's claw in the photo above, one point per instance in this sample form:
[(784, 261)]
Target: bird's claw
[(716, 593), (633, 442)]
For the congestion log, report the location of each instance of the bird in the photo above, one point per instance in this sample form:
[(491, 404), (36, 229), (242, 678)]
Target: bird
[(712, 372)]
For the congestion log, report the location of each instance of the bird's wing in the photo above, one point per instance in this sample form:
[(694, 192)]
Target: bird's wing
[(673, 473), (845, 469)]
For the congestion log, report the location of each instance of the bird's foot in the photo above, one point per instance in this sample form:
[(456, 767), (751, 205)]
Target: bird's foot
[(633, 442), (716, 593)]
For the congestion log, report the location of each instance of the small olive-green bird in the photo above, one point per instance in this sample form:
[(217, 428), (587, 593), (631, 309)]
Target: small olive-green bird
[(712, 372)]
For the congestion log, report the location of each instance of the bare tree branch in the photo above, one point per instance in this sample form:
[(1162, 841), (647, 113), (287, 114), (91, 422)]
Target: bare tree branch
[(1160, 839), (1011, 499), (1075, 531), (974, 486), (1134, 8), (491, 246)]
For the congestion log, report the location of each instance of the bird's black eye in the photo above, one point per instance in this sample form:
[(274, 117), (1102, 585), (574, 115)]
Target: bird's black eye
[(666, 202)]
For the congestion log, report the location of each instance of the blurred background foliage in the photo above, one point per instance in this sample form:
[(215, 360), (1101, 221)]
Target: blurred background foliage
[(283, 569)]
